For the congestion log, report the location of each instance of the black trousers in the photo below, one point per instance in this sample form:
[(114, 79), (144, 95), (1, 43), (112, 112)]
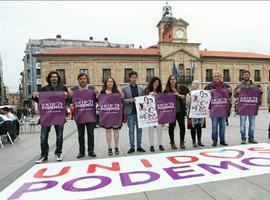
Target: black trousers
[(44, 139), (196, 129), (180, 118), (90, 136)]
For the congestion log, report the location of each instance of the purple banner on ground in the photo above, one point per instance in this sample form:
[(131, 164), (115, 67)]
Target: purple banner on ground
[(110, 110), (166, 108), (52, 108), (248, 101), (84, 102), (220, 103)]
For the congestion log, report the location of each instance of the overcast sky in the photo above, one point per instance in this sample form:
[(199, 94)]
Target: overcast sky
[(228, 26)]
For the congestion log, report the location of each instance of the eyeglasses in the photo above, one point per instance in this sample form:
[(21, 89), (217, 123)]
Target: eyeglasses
[(172, 79)]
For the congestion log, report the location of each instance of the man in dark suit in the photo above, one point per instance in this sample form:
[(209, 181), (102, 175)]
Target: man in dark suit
[(131, 91)]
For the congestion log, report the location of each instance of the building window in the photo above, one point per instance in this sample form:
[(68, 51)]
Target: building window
[(180, 69), (105, 74), (226, 75), (149, 74), (257, 76), (189, 77), (85, 71), (38, 73), (28, 74), (38, 87), (28, 58), (241, 74), (29, 90), (62, 74), (127, 71), (38, 65), (209, 75)]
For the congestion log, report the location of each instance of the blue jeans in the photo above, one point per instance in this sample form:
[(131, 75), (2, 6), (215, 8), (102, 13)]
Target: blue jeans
[(132, 121), (44, 139), (243, 119), (218, 122)]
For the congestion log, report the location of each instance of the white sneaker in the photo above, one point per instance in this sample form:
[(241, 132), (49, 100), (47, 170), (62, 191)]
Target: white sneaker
[(58, 157), (42, 159)]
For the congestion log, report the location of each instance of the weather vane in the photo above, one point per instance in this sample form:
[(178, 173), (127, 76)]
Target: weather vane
[(167, 10)]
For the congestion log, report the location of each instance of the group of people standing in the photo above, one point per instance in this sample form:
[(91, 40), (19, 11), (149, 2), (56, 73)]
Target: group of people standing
[(129, 93)]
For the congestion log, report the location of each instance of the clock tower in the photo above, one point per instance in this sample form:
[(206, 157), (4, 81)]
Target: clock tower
[(176, 50), (170, 29)]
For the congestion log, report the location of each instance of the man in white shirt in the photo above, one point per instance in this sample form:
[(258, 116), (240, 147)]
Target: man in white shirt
[(8, 116)]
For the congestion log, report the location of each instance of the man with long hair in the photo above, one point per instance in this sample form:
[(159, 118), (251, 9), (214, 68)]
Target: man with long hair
[(54, 84)]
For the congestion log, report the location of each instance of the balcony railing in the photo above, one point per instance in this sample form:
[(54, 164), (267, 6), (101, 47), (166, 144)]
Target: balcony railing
[(185, 79)]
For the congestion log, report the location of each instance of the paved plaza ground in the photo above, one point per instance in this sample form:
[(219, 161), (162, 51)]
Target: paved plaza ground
[(17, 159)]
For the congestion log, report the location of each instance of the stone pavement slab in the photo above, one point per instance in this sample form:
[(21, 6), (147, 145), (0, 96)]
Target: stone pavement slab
[(15, 160)]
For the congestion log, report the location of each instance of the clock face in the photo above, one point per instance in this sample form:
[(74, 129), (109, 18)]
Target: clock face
[(179, 33)]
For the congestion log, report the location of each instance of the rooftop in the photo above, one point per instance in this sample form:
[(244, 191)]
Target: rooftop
[(101, 51), (231, 54)]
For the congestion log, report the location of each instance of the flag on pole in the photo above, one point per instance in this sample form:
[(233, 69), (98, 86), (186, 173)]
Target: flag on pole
[(183, 67), (192, 68), (174, 69)]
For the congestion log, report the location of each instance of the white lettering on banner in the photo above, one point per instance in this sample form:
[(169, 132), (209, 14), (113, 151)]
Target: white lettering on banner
[(110, 107), (91, 179), (84, 104), (165, 106), (219, 101), (52, 106), (249, 99)]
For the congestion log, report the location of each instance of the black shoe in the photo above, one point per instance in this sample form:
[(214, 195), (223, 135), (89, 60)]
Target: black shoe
[(92, 154), (194, 144), (140, 149), (131, 150), (42, 159), (200, 144), (152, 148), (80, 155), (161, 148), (110, 153), (214, 144), (223, 143), (116, 151)]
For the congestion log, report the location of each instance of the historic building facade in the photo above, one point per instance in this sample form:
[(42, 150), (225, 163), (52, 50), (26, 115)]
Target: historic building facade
[(32, 70), (173, 48)]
